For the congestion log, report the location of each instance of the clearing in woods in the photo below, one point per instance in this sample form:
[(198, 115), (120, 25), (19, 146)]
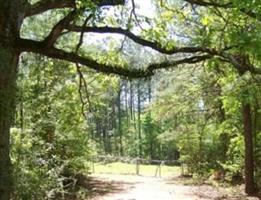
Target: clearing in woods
[(111, 186), (132, 187)]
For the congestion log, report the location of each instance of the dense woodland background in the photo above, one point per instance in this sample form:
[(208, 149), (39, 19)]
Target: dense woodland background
[(200, 104)]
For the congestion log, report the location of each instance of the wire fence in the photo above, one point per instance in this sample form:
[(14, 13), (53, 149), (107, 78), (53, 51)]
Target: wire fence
[(137, 166)]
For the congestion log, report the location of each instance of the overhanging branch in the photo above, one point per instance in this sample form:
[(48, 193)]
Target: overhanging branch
[(186, 60), (58, 28), (45, 5), (240, 64), (154, 45), (228, 5), (209, 3), (109, 2), (25, 45), (52, 52)]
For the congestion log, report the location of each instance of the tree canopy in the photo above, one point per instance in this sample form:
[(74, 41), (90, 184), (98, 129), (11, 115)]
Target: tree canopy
[(188, 85)]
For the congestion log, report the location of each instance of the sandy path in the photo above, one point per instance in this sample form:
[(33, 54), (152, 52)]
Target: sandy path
[(127, 187)]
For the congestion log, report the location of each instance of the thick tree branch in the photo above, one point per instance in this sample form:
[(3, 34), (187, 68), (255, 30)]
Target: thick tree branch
[(154, 45), (251, 14), (58, 28), (208, 3), (240, 64), (46, 5), (109, 2), (25, 45), (186, 60), (225, 6)]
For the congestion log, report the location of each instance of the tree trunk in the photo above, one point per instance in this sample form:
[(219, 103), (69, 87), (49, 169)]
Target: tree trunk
[(139, 120), (126, 103), (248, 132), (11, 17), (131, 100), (152, 141), (119, 119), (249, 159), (8, 66), (256, 132), (149, 90)]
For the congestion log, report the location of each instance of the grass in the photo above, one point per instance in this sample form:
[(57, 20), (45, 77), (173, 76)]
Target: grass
[(144, 170)]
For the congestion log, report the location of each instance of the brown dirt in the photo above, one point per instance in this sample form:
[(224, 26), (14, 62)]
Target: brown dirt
[(128, 187)]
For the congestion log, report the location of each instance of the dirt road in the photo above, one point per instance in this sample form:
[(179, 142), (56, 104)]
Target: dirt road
[(127, 187)]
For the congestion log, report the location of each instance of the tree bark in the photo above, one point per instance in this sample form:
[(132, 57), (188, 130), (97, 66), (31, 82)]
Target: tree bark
[(11, 17), (126, 102), (139, 119), (249, 159), (119, 118), (131, 100), (8, 65)]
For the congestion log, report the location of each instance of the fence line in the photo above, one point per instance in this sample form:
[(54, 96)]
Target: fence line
[(137, 161), (110, 158)]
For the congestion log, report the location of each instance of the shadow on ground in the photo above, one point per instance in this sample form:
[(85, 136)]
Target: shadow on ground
[(112, 187), (208, 190), (98, 187)]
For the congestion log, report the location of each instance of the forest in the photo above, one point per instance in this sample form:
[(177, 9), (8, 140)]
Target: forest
[(152, 79)]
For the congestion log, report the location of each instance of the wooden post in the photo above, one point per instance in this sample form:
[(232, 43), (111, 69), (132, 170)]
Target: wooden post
[(93, 170), (137, 167), (156, 171), (161, 164), (160, 170), (182, 169)]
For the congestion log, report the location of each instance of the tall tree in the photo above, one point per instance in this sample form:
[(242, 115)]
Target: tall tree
[(120, 118), (139, 118), (14, 13)]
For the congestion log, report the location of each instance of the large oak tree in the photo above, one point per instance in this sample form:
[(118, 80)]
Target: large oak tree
[(12, 45)]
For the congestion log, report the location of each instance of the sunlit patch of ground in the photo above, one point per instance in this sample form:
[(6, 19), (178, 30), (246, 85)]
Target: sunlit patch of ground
[(144, 170), (118, 181), (132, 187)]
